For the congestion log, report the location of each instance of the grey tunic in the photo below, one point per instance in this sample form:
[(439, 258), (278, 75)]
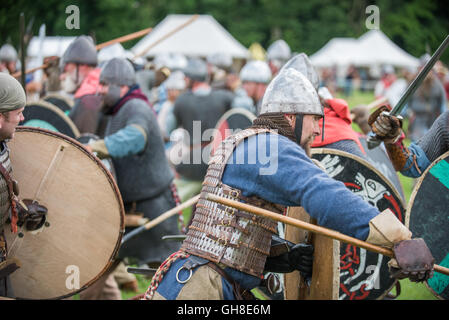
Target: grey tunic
[(145, 179), (207, 109)]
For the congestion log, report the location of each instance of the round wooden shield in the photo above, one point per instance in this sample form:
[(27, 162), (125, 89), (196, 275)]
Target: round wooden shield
[(379, 158), (45, 115), (232, 121), (427, 217), (63, 103), (363, 274), (85, 220)]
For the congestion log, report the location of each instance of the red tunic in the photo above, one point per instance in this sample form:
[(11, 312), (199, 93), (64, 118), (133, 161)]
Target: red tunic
[(337, 121)]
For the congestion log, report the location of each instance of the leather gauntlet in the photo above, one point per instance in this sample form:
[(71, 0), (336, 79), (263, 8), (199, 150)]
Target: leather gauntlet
[(286, 257), (32, 215), (413, 260), (387, 128)]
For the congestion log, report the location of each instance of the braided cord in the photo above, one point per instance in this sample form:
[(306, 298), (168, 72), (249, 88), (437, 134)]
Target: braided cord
[(161, 271)]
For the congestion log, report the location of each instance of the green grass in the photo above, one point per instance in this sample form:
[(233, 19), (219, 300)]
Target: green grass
[(409, 290)]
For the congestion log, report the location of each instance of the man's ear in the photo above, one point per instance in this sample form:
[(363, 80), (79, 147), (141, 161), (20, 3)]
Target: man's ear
[(123, 90), (290, 118)]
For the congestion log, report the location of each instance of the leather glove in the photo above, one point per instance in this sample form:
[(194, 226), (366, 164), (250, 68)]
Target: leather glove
[(412, 259), (298, 257), (387, 128), (33, 216)]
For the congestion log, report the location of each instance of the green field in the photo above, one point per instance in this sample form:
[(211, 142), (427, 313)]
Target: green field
[(409, 290)]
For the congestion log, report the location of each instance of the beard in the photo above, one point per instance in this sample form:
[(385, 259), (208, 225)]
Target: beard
[(307, 145), (69, 85)]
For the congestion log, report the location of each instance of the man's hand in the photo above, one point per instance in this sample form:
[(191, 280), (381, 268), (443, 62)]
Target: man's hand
[(33, 215), (413, 260), (291, 257), (300, 257), (387, 128)]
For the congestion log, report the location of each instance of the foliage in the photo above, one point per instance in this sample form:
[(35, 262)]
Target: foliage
[(417, 26)]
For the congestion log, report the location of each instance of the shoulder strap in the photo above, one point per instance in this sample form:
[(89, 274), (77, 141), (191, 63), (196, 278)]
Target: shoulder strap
[(221, 155)]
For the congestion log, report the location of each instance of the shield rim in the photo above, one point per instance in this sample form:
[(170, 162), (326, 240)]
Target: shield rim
[(59, 112), (412, 200), (114, 186), (59, 96), (232, 111), (370, 166), (402, 188)]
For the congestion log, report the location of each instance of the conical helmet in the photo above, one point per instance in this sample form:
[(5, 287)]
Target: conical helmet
[(291, 92), (255, 71), (279, 50), (118, 71), (8, 53), (301, 63), (81, 51), (196, 69)]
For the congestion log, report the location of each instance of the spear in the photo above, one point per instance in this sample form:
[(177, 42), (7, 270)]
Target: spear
[(311, 227), (100, 46), (160, 218)]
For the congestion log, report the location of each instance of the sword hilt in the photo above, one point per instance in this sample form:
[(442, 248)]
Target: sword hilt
[(372, 140)]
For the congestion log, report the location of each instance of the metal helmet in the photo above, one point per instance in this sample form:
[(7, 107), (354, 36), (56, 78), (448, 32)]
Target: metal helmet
[(8, 53), (302, 64), (196, 69), (12, 95), (324, 93), (256, 71), (81, 51), (118, 71), (175, 81), (279, 50), (291, 92), (220, 60)]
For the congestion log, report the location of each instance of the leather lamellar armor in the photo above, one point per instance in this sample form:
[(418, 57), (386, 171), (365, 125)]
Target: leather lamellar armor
[(225, 235), (5, 200)]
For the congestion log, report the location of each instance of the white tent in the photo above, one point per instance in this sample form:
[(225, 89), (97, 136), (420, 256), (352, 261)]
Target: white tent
[(202, 37), (51, 46), (115, 50), (378, 49), (336, 52), (373, 49)]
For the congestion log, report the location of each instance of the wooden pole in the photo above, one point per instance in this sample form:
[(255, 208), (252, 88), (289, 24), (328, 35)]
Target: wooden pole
[(128, 37), (100, 46), (182, 26), (161, 218), (312, 228), (22, 49)]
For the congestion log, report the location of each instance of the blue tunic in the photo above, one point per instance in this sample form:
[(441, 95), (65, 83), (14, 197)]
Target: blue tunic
[(421, 160), (276, 169), (287, 176)]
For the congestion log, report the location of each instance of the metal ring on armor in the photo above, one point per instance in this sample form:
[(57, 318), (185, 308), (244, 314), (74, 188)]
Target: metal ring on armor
[(188, 278)]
